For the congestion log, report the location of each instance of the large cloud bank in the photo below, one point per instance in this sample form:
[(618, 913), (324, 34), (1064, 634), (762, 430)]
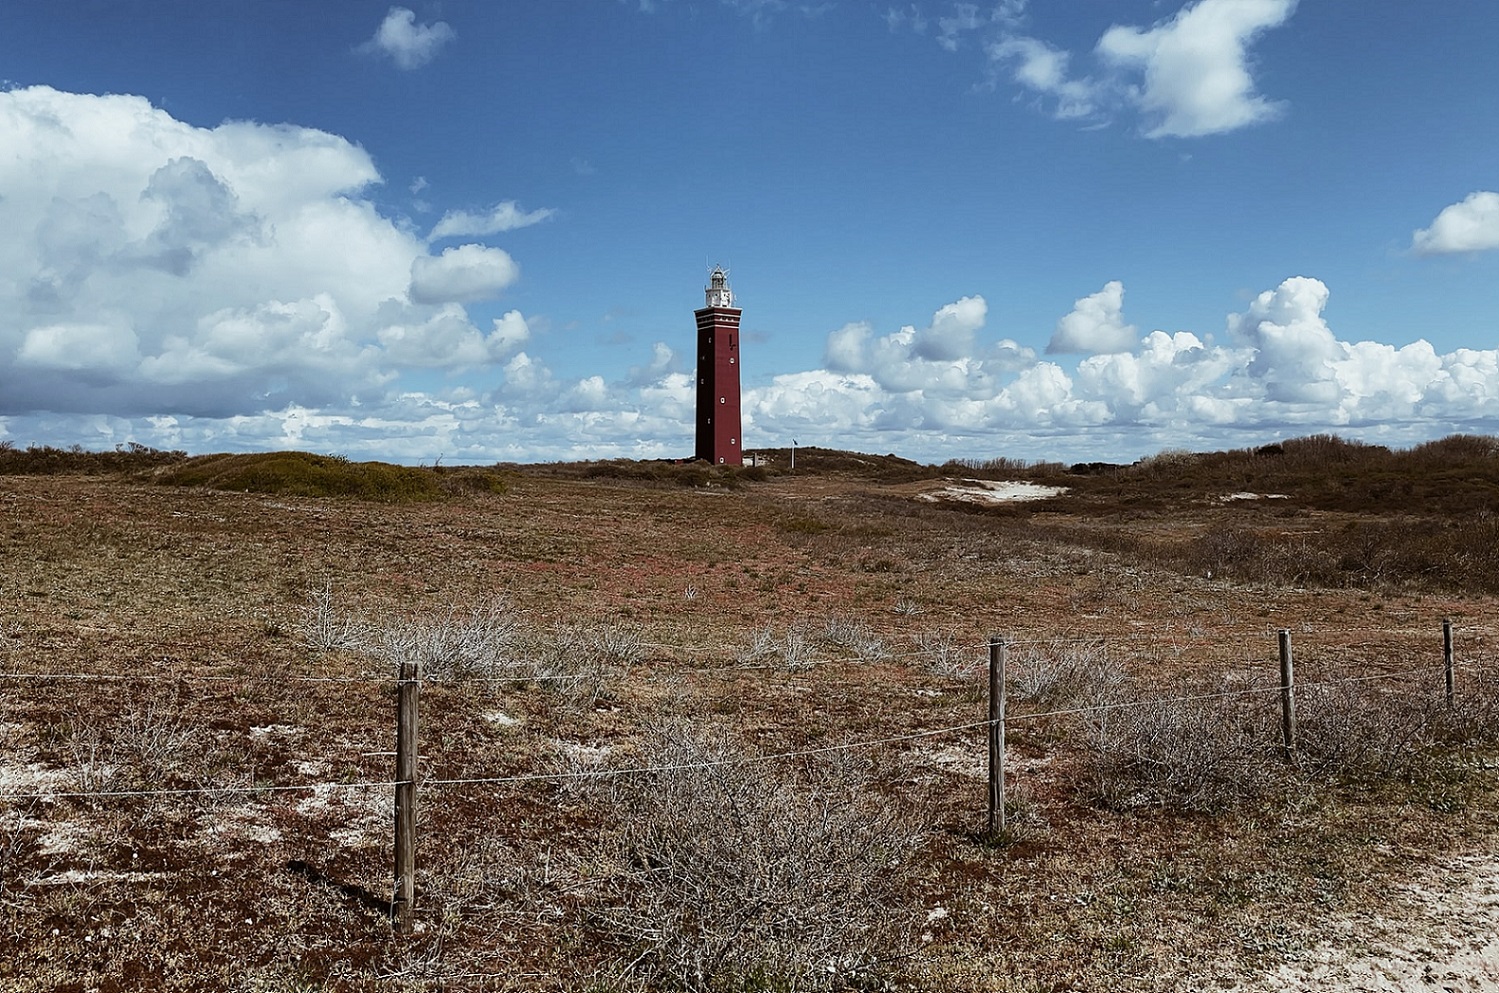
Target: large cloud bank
[(234, 288), (1280, 371)]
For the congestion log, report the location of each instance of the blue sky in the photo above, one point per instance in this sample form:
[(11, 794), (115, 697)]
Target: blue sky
[(1046, 229)]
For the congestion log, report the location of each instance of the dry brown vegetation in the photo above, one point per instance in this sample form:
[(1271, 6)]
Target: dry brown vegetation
[(683, 727)]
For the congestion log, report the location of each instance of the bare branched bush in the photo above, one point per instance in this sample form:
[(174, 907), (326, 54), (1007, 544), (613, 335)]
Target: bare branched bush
[(156, 737), (942, 653), (1064, 671), (906, 607), (1189, 754), (95, 766), (735, 874), (456, 645), (490, 882), (13, 837), (148, 744), (1363, 730), (576, 662), (854, 636), (788, 649), (1471, 726), (326, 628)]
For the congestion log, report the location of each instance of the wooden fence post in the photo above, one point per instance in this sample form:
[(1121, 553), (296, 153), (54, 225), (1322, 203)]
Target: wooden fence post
[(408, 690), (1447, 656), (1287, 696), (998, 655)]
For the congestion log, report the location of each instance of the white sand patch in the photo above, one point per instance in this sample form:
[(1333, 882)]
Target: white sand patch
[(274, 730), (1232, 497), (992, 491), (63, 838), (75, 877), (242, 823), (581, 754), (1443, 935), (33, 778), (366, 813), (973, 761)]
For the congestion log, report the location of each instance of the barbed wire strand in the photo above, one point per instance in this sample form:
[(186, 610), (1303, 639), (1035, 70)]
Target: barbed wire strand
[(199, 790)]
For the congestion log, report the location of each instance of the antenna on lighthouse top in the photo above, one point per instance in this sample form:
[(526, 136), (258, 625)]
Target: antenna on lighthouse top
[(718, 292)]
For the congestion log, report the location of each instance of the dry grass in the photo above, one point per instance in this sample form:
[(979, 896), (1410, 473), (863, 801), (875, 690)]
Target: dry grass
[(253, 637)]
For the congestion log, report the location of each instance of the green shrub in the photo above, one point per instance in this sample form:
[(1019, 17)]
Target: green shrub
[(304, 474), (46, 460)]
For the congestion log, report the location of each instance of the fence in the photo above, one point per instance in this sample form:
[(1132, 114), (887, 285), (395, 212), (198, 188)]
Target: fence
[(407, 781)]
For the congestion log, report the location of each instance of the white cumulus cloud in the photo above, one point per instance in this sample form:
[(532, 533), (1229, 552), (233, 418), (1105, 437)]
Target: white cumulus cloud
[(943, 358), (409, 44), (1095, 324), (1471, 225), (1187, 76), (1195, 67), (463, 274), (154, 266), (503, 216)]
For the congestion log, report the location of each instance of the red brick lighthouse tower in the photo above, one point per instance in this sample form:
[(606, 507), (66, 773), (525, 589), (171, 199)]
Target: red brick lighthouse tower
[(718, 438)]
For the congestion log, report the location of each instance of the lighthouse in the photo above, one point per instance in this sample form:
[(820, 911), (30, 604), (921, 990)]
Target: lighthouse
[(718, 439)]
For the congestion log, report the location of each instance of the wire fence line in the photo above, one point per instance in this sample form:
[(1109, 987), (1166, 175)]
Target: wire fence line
[(525, 677), (646, 770)]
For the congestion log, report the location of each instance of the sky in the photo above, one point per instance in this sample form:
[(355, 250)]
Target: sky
[(467, 232)]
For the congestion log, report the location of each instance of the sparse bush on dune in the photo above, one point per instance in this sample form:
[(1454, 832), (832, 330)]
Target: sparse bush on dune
[(488, 643), (325, 627), (47, 460), (451, 645), (1221, 748), (1063, 672), (733, 874), (854, 636), (306, 475), (1188, 754), (784, 649), (576, 662), (946, 654)]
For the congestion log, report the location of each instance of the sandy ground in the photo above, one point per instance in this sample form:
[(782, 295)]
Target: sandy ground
[(993, 491), (1445, 939)]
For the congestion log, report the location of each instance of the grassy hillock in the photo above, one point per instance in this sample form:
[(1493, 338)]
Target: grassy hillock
[(307, 475)]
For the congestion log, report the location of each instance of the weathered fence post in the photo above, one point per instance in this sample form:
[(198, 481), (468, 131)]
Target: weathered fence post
[(1447, 655), (1287, 696), (408, 689), (998, 655)]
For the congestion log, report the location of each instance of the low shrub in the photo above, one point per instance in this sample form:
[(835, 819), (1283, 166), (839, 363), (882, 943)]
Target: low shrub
[(1191, 754), (736, 874), (306, 475), (47, 460), (786, 649), (1064, 671)]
